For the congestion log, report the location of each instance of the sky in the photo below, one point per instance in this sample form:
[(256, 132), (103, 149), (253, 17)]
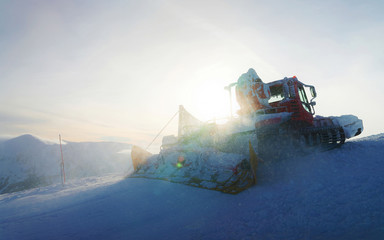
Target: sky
[(118, 70)]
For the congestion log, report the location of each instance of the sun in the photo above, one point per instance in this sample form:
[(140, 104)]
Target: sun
[(213, 103)]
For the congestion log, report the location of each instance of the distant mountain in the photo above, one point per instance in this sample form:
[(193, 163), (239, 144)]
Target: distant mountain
[(27, 162)]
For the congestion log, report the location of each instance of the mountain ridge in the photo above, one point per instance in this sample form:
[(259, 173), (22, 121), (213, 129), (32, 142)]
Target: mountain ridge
[(27, 161)]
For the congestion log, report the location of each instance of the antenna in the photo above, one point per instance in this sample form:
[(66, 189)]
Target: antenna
[(229, 89)]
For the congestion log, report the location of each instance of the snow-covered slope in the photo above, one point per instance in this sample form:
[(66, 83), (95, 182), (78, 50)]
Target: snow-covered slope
[(27, 161), (327, 195)]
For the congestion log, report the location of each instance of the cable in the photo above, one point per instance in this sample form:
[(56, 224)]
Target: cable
[(162, 129)]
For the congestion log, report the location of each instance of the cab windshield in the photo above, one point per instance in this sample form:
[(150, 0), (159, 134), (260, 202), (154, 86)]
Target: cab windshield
[(304, 99)]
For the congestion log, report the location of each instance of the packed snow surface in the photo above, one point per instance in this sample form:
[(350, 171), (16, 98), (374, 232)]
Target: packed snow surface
[(336, 194)]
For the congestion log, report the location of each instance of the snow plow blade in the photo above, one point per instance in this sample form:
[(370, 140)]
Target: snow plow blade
[(202, 168), (139, 156)]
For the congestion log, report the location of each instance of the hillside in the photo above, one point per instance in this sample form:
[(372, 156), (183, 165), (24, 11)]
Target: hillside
[(326, 195), (27, 161)]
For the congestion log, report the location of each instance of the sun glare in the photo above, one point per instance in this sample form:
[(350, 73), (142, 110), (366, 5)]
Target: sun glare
[(213, 103)]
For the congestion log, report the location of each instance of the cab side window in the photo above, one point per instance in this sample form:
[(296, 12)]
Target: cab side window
[(277, 93)]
